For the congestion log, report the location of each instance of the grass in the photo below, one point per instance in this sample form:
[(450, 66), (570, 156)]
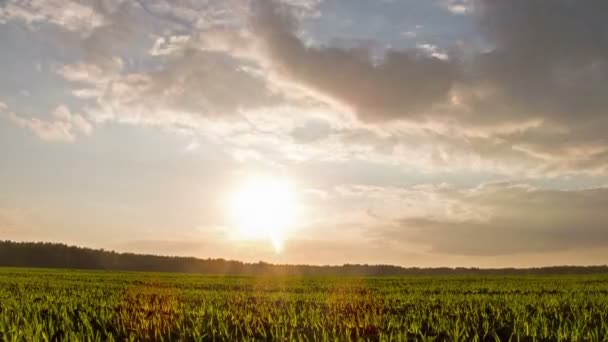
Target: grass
[(46, 305)]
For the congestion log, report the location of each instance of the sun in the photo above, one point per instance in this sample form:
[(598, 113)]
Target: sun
[(263, 208)]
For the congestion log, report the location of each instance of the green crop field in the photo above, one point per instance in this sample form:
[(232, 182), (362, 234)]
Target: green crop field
[(62, 305)]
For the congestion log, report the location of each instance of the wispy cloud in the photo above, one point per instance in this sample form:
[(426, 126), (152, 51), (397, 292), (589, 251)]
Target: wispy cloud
[(63, 127), (71, 15)]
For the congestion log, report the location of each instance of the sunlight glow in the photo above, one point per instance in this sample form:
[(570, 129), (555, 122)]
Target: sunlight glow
[(263, 208)]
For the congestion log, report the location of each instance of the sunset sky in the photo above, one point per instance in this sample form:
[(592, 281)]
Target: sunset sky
[(408, 132)]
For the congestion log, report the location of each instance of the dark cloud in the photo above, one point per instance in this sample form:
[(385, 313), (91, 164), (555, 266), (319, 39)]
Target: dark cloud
[(400, 85), (547, 57), (543, 60), (513, 219)]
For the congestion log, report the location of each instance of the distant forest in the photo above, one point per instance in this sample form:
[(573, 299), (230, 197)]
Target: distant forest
[(55, 255)]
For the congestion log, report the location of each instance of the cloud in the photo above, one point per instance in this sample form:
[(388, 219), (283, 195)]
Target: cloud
[(541, 62), (190, 85), (547, 58), (71, 15), (532, 90), (458, 7), (64, 126), (125, 31), (400, 86), (503, 219), (491, 220), (177, 80), (521, 100), (434, 51), (312, 130), (169, 45), (210, 84)]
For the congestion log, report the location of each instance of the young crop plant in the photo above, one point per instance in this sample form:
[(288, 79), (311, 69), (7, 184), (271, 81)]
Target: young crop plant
[(57, 305)]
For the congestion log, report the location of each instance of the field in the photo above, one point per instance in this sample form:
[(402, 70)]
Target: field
[(37, 304)]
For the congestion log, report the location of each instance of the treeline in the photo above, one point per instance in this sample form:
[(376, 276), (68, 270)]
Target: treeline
[(55, 255)]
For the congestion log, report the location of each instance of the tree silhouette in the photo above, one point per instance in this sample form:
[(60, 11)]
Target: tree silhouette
[(56, 255)]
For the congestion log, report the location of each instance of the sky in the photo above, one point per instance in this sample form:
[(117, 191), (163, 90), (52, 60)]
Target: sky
[(410, 132)]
